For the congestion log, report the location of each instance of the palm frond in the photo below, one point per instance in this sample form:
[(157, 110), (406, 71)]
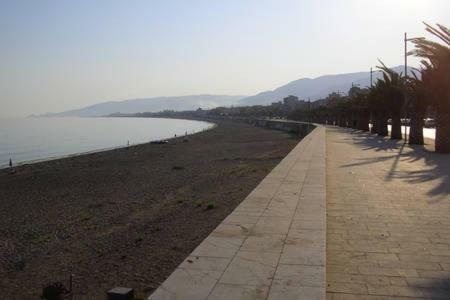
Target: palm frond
[(441, 32)]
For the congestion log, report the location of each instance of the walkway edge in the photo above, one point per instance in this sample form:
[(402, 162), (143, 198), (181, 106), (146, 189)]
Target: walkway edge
[(272, 246)]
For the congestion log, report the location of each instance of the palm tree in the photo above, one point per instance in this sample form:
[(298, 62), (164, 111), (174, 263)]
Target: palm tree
[(391, 88), (378, 108), (436, 61), (360, 115), (364, 113), (416, 89), (358, 106)]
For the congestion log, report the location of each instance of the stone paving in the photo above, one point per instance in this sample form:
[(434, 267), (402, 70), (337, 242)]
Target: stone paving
[(388, 219), (386, 230), (272, 246)]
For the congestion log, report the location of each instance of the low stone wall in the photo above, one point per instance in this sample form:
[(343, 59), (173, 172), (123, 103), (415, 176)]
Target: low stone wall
[(300, 128)]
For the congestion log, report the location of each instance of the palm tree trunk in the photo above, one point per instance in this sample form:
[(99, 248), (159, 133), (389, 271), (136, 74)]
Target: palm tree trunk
[(358, 119), (382, 129), (374, 128), (354, 117), (442, 141), (345, 121), (363, 122), (396, 128), (416, 128)]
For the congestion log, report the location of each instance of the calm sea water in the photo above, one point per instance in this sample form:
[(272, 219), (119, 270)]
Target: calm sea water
[(31, 139)]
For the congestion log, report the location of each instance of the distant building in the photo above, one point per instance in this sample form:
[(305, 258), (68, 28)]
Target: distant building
[(291, 102), (201, 112)]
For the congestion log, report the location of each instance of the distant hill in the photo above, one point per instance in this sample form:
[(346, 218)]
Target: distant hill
[(150, 105), (315, 88)]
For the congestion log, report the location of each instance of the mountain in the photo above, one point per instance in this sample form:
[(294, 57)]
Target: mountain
[(150, 105), (316, 88)]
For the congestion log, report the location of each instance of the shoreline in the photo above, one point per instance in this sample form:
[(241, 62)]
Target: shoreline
[(126, 217), (36, 161)]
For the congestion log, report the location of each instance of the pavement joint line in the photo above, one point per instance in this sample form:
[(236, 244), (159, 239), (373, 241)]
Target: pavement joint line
[(292, 219), (388, 218), (259, 217), (306, 159)]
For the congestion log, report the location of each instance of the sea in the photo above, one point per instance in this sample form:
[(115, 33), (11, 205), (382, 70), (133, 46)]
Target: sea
[(27, 140)]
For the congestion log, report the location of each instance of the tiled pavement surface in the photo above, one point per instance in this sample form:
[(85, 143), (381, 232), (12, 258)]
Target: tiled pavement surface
[(272, 246), (388, 219), (387, 228)]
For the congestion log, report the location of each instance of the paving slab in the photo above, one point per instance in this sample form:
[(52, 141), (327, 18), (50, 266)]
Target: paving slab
[(388, 219), (272, 246)]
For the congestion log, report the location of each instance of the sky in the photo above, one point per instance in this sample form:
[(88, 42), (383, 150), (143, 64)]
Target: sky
[(59, 55)]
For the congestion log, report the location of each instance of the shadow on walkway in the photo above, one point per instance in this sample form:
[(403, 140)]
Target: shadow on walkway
[(432, 288), (437, 165)]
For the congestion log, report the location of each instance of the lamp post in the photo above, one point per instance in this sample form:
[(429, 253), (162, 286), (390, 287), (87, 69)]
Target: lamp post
[(370, 116), (406, 54), (371, 85), (371, 76), (406, 76), (406, 40), (309, 113), (371, 81)]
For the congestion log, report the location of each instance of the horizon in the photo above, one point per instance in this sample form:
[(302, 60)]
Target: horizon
[(61, 56), (50, 113)]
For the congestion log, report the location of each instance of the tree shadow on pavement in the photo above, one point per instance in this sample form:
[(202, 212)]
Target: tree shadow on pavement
[(432, 288), (437, 165)]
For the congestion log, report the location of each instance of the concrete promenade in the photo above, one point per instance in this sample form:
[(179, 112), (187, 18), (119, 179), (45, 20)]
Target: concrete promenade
[(388, 219), (345, 215), (272, 246)]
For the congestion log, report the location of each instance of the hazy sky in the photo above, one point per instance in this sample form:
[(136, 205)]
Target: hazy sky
[(58, 55)]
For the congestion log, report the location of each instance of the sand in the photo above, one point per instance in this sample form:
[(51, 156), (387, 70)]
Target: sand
[(126, 217)]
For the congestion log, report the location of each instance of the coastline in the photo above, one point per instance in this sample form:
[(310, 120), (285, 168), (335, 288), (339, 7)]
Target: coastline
[(126, 216), (35, 161)]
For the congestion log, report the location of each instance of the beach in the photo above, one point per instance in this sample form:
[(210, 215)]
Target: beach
[(126, 217)]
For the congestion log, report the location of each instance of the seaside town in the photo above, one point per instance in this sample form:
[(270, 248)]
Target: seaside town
[(239, 150)]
